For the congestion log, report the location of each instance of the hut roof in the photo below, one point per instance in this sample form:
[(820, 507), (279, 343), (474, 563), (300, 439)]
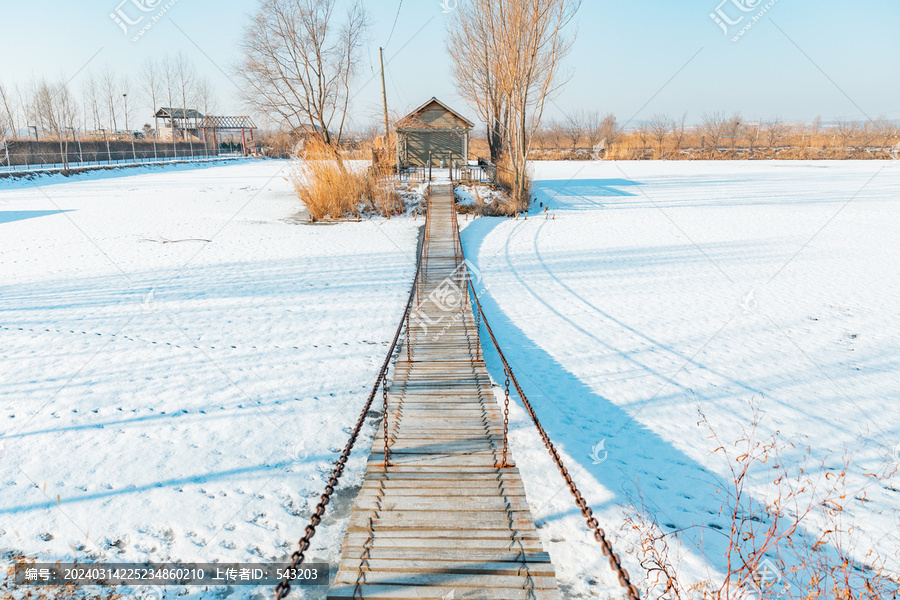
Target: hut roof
[(179, 113), (414, 119)]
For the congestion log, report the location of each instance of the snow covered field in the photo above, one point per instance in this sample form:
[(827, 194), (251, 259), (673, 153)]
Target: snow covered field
[(197, 422), (661, 288), (194, 423)]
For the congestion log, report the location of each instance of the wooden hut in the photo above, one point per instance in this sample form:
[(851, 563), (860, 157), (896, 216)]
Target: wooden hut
[(433, 132)]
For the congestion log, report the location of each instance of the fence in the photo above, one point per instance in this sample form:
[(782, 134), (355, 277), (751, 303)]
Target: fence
[(20, 155), (483, 173)]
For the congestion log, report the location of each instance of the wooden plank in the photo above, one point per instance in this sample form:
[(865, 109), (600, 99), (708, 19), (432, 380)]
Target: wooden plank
[(356, 542), (436, 592), (441, 503), (421, 578), (451, 555), (443, 520)]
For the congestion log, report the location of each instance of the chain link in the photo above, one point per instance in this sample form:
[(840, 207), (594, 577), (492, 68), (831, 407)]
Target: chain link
[(505, 421), (599, 535), (284, 587), (385, 414)]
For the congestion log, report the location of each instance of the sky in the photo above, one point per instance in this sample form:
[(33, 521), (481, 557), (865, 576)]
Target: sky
[(797, 60)]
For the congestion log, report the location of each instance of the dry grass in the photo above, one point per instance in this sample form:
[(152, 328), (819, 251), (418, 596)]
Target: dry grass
[(777, 536), (795, 145), (509, 206), (10, 591), (332, 189)]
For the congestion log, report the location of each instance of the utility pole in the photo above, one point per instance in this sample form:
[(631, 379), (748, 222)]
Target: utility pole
[(387, 128), (125, 97)]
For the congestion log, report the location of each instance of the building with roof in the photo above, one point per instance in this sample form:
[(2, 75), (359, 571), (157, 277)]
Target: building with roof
[(433, 134), (178, 123)]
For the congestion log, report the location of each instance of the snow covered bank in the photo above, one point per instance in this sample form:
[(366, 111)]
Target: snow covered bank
[(166, 399), (664, 289)]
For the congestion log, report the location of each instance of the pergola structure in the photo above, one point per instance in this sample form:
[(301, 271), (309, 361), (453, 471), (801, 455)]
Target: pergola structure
[(196, 124), (179, 119), (217, 124)]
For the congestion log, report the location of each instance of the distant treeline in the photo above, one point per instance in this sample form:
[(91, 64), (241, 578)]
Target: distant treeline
[(586, 136)]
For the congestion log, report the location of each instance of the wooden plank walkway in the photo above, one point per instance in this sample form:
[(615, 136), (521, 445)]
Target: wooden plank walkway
[(444, 521)]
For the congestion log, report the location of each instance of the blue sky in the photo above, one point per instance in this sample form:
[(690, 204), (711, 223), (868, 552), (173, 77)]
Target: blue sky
[(799, 60)]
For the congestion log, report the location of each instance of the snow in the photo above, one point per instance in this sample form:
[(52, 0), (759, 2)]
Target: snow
[(470, 194), (186, 398), (189, 398), (656, 289)]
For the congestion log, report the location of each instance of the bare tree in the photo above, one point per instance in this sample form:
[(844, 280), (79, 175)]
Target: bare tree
[(523, 44), (712, 128), (93, 100), (593, 128), (110, 92), (610, 130), (847, 130), (775, 131), (887, 130), (151, 85), (55, 113), (477, 72), (185, 76), (574, 127), (660, 127), (299, 61), (127, 107), (644, 135), (679, 131), (815, 127), (867, 134), (551, 135), (8, 124), (733, 128), (185, 81), (206, 96)]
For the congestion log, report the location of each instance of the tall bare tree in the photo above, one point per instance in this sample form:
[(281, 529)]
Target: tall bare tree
[(575, 127), (8, 121), (679, 131), (847, 130), (732, 128), (477, 71), (151, 85), (206, 96), (593, 128), (518, 69), (775, 131), (644, 134), (55, 112), (610, 130), (660, 127), (712, 128), (111, 94), (93, 100), (887, 130), (300, 57)]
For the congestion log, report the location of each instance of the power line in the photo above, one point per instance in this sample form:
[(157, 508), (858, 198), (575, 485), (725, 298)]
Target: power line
[(397, 16)]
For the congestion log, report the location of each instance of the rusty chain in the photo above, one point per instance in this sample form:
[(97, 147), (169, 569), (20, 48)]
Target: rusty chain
[(505, 420), (599, 535), (385, 416), (284, 587)]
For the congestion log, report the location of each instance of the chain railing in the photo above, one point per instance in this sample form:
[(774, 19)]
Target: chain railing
[(599, 535), (297, 558)]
